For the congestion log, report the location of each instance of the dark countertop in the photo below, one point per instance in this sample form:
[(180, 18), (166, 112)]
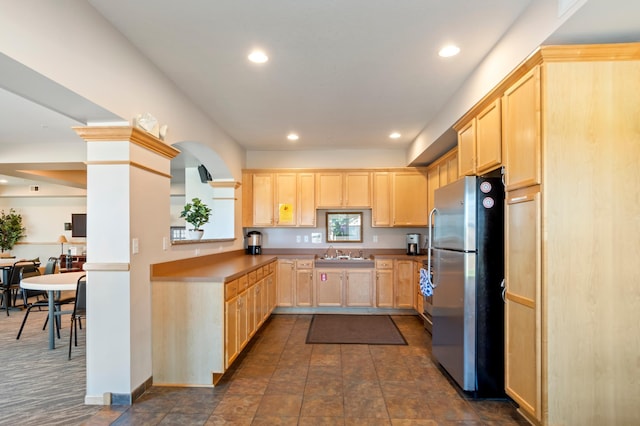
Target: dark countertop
[(228, 266)]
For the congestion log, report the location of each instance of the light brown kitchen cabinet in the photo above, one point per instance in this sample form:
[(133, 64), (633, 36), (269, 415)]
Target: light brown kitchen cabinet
[(381, 204), (404, 284), (343, 189), (286, 280), (306, 199), (329, 285), (359, 288), (522, 308), (467, 149), (489, 138), (304, 282), (521, 130), (227, 314), (278, 199), (480, 141), (441, 172), (409, 199), (570, 144), (263, 199), (384, 283)]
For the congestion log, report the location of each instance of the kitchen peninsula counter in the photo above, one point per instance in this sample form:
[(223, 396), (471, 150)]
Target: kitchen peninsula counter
[(211, 268)]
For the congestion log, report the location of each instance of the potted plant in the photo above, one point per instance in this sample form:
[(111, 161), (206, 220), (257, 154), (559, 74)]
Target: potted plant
[(197, 214), (11, 229)]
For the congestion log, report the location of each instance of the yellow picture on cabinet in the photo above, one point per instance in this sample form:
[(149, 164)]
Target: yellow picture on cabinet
[(285, 213)]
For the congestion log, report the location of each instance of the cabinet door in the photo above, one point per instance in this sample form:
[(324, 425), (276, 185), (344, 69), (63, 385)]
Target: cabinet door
[(357, 189), (286, 278), (381, 205), (433, 183), (522, 310), (359, 288), (286, 201), (263, 207), (489, 138), (467, 149), (251, 310), (328, 287), (452, 168), (329, 189), (304, 287), (242, 323), (409, 202), (230, 331), (521, 131), (306, 199), (384, 288), (404, 288), (272, 293)]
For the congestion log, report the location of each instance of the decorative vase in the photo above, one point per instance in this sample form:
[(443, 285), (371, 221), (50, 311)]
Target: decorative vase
[(195, 234)]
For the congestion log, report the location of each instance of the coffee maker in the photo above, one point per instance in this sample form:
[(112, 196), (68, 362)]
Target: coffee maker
[(413, 244), (254, 242)]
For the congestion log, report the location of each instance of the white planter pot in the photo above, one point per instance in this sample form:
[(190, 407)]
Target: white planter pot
[(195, 234)]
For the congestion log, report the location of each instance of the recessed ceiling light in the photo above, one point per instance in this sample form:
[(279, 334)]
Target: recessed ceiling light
[(258, 57), (293, 137), (395, 135), (449, 51), (3, 181)]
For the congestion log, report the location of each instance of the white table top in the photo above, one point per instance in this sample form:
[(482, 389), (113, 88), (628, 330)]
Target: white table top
[(51, 282)]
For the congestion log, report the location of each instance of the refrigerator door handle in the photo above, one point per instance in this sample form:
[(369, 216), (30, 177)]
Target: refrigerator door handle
[(432, 213), (504, 290)]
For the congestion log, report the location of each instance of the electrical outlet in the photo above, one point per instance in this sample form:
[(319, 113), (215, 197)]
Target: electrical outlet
[(135, 247), (375, 238), (306, 238), (298, 239)]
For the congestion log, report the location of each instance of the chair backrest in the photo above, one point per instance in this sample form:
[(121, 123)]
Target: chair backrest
[(80, 307), (51, 265), (28, 267)]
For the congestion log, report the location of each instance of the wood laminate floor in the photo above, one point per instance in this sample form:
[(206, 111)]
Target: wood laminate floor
[(279, 380)]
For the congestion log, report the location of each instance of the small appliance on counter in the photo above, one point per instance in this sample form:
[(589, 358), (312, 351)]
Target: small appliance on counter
[(254, 242), (413, 244)]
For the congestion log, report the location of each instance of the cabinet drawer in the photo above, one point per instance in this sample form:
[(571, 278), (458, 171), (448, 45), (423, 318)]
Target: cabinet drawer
[(384, 264), (252, 276), (259, 274), (304, 264), (272, 267), (242, 283), (230, 290)]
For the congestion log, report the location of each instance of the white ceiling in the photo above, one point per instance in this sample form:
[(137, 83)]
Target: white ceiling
[(341, 74)]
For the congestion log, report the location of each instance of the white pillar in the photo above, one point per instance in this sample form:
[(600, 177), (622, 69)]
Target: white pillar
[(128, 215)]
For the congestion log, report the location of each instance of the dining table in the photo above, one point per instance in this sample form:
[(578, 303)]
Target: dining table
[(52, 283)]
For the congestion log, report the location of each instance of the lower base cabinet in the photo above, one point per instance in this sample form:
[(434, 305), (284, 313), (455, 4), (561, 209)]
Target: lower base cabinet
[(329, 287), (200, 328), (359, 289)]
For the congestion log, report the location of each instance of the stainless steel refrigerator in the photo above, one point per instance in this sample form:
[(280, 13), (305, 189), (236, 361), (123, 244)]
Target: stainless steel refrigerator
[(467, 263)]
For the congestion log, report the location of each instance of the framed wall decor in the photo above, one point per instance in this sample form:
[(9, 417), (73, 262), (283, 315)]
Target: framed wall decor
[(344, 227)]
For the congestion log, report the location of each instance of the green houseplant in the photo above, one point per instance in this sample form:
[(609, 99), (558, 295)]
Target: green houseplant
[(197, 214), (11, 229)]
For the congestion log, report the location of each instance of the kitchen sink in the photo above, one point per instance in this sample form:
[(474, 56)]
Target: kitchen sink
[(344, 262)]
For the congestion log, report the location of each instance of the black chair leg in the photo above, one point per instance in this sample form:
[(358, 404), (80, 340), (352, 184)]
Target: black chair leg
[(24, 320)]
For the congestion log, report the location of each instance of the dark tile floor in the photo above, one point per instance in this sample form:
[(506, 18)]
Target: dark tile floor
[(281, 380)]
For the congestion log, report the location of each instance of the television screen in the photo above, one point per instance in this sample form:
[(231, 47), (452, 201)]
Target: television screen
[(78, 224)]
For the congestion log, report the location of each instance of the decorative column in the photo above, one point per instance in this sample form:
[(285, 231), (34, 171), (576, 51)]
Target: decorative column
[(128, 221)]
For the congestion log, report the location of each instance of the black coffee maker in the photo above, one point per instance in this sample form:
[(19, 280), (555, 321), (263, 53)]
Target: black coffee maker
[(254, 242)]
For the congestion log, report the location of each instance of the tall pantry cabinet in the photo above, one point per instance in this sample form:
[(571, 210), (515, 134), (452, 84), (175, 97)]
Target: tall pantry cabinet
[(571, 150)]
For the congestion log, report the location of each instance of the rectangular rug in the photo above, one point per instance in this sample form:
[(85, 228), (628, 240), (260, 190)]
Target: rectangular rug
[(354, 329)]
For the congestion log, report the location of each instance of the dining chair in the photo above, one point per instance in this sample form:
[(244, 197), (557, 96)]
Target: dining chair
[(44, 302), (79, 311), (11, 288)]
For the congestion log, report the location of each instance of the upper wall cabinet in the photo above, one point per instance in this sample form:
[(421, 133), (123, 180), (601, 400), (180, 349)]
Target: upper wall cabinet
[(521, 129), (480, 141), (409, 199), (278, 199), (337, 189)]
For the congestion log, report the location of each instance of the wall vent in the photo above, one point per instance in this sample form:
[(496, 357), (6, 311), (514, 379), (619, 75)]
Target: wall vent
[(34, 188)]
